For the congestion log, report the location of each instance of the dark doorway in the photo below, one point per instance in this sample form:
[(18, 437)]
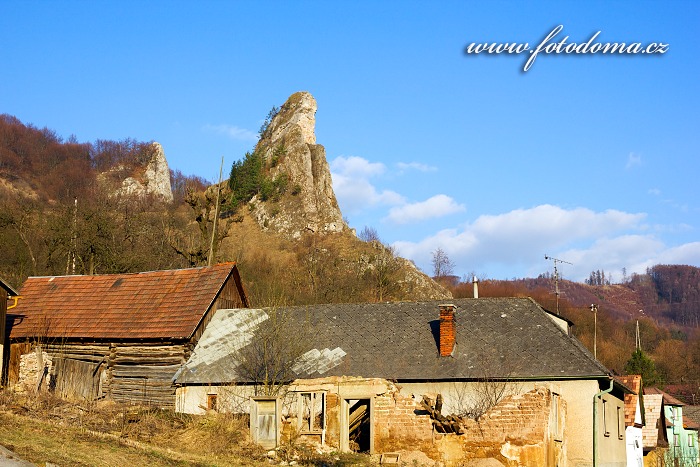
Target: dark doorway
[(359, 426)]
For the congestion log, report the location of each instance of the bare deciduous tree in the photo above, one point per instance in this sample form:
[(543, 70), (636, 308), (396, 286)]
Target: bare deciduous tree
[(495, 383), (442, 265), (369, 234), (276, 346)]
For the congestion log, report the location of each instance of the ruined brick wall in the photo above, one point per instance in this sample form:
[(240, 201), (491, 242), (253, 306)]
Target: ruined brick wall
[(525, 429), (517, 431), (400, 423)]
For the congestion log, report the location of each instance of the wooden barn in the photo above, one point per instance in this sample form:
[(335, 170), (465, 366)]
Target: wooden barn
[(117, 336), (6, 292)]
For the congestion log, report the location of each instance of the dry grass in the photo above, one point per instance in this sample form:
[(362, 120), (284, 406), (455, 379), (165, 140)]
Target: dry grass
[(42, 429)]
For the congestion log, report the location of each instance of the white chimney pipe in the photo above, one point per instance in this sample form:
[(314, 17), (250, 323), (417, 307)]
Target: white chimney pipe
[(475, 281)]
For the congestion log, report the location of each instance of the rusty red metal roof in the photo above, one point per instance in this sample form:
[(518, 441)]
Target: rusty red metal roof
[(148, 305)]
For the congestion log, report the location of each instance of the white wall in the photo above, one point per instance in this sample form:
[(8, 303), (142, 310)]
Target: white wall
[(193, 399)]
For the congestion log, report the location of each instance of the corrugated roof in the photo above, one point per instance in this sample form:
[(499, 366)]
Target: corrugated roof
[(495, 338), (156, 304)]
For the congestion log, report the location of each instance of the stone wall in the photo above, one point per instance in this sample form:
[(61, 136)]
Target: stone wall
[(31, 366)]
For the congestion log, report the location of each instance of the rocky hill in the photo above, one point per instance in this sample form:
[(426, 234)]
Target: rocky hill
[(37, 163), (290, 141), (150, 177), (294, 233), (281, 221)]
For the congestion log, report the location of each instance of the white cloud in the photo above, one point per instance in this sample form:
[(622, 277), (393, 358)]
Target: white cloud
[(654, 191), (354, 166), (521, 238), (403, 166), (352, 187), (688, 253), (232, 131), (436, 206), (633, 160)]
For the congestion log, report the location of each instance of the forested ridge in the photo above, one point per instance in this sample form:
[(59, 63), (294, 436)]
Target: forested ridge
[(56, 217), (664, 303)]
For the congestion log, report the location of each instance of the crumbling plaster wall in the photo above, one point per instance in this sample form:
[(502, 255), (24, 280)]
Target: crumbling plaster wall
[(576, 394), (515, 432), (518, 431)]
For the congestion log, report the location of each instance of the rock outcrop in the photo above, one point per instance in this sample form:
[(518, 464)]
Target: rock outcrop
[(290, 138), (154, 180)]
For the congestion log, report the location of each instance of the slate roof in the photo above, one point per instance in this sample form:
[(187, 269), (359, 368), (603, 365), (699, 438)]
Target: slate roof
[(510, 338), (692, 413), (690, 424), (146, 305)]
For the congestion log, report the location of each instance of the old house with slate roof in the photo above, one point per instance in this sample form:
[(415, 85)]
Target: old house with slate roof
[(118, 336), (386, 378)]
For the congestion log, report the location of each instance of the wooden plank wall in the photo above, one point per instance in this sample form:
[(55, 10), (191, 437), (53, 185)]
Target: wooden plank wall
[(127, 372)]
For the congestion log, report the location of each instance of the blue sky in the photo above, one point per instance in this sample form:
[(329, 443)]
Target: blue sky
[(592, 159)]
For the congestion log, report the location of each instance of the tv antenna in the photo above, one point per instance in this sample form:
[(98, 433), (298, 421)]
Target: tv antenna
[(556, 276)]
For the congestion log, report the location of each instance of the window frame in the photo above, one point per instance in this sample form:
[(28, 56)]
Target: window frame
[(315, 402)]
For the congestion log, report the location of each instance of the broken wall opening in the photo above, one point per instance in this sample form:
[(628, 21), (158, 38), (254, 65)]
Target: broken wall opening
[(312, 412), (359, 425)]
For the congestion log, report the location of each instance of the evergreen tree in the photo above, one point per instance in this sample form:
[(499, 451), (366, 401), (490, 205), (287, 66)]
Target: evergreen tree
[(641, 364)]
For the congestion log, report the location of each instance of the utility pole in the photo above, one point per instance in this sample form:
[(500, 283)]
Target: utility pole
[(594, 309), (210, 259), (70, 264), (556, 276)]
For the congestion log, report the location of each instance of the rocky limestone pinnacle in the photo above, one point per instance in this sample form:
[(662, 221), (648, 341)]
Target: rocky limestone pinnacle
[(291, 139), (155, 179)]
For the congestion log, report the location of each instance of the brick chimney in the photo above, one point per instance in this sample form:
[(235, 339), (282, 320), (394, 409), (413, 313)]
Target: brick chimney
[(448, 330)]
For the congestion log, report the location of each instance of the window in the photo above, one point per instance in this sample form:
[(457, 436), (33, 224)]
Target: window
[(211, 402), (312, 412), (690, 441), (620, 423), (676, 439), (605, 418), (557, 419)]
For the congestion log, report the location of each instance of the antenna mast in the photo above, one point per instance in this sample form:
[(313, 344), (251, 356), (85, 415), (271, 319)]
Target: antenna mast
[(556, 276)]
